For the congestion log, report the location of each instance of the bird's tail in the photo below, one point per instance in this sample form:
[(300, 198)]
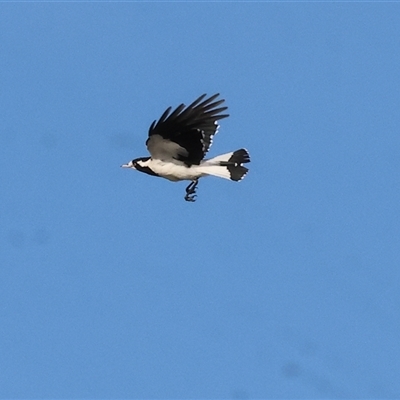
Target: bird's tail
[(228, 166)]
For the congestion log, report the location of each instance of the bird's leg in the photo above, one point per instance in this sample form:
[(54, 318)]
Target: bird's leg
[(191, 190)]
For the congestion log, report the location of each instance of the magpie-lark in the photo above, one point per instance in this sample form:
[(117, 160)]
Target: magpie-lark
[(179, 141)]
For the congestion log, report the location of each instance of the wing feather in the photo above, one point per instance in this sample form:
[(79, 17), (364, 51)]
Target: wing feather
[(190, 130)]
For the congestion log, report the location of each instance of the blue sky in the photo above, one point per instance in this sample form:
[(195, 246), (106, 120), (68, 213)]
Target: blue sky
[(285, 285)]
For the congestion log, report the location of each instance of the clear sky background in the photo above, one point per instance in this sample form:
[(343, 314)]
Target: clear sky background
[(285, 285)]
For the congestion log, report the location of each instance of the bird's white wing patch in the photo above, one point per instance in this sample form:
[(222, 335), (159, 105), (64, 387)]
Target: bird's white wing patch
[(164, 149)]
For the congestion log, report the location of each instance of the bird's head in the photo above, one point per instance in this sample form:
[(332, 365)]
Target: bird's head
[(137, 163)]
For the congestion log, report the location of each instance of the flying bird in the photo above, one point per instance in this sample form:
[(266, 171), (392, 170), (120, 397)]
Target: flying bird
[(179, 141)]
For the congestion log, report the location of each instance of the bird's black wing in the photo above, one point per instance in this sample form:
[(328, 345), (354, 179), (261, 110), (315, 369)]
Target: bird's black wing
[(186, 134)]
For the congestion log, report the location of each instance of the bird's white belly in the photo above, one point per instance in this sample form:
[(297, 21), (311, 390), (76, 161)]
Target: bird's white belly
[(175, 172)]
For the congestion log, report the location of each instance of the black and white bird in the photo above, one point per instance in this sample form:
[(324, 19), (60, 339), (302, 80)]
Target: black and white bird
[(179, 141)]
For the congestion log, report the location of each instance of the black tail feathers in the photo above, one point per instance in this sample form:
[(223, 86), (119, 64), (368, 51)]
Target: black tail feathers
[(234, 164)]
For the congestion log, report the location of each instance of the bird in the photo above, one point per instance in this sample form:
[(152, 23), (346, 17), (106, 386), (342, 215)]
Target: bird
[(179, 141)]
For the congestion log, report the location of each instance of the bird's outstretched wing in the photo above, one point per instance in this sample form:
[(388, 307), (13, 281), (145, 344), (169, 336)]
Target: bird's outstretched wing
[(186, 134)]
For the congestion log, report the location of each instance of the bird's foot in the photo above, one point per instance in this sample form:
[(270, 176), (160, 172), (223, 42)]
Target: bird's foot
[(191, 198), (191, 190)]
